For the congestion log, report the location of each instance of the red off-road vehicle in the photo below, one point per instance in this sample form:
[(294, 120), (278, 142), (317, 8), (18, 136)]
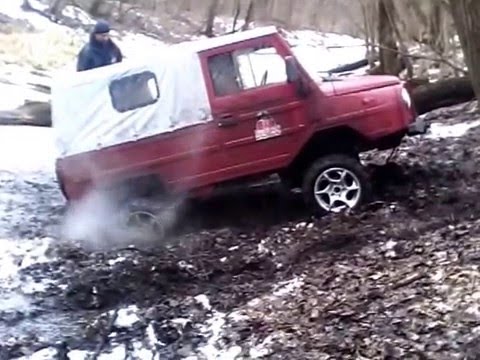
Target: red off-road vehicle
[(233, 108)]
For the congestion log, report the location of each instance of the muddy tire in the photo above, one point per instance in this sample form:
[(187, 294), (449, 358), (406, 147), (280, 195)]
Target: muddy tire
[(334, 184)]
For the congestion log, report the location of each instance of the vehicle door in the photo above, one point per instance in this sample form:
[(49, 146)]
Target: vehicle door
[(260, 113)]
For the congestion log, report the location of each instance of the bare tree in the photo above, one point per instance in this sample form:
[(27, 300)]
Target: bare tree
[(388, 49), (465, 14), (56, 7), (238, 10), (95, 7), (211, 14), (249, 15)]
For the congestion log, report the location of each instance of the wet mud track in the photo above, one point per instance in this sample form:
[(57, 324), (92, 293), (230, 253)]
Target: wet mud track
[(251, 274)]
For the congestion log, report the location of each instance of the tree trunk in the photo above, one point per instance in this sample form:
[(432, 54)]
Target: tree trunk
[(26, 5), (95, 7), (212, 12), (435, 28), (466, 15), (238, 10), (249, 15), (56, 8), (388, 51)]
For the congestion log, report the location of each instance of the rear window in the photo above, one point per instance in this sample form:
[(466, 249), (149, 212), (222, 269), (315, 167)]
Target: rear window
[(134, 91)]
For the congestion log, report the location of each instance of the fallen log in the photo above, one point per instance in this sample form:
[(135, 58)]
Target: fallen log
[(33, 113), (446, 92)]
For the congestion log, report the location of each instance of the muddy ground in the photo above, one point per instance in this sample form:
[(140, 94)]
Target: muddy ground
[(252, 275)]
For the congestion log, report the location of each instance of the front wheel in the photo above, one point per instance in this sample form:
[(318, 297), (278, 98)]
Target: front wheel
[(335, 183)]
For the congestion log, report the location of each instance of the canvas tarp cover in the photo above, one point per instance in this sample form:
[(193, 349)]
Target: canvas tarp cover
[(128, 101)]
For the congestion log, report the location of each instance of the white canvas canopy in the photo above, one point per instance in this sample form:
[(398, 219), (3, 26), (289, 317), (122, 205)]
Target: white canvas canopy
[(128, 101), (132, 100)]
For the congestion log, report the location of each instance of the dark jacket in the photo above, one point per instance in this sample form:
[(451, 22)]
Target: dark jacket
[(96, 54)]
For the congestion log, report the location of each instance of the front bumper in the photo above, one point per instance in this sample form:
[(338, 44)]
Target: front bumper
[(418, 127)]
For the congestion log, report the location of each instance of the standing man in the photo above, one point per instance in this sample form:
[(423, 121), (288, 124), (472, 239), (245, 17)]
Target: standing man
[(100, 50)]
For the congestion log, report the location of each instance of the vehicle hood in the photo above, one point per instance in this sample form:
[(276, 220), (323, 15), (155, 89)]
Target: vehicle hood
[(359, 83)]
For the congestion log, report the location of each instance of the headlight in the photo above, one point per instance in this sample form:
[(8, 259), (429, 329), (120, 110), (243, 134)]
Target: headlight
[(406, 97)]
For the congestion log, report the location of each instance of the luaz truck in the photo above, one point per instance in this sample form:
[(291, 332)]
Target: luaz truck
[(235, 108)]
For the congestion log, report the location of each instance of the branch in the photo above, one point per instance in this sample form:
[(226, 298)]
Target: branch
[(238, 9), (439, 59), (248, 16)]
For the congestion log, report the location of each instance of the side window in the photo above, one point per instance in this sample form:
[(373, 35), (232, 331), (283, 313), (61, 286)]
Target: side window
[(134, 91), (246, 69), (224, 74), (260, 67)]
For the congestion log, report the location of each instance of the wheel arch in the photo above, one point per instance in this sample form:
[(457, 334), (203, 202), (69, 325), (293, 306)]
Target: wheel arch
[(339, 140)]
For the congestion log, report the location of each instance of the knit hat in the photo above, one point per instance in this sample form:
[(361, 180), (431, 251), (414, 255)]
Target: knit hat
[(101, 27)]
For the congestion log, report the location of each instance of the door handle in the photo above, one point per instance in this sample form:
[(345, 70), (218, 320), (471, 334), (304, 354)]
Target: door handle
[(262, 114), (227, 121), (367, 101)]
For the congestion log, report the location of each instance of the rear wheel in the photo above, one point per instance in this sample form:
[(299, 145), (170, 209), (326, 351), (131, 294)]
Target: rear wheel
[(335, 183), (142, 205)]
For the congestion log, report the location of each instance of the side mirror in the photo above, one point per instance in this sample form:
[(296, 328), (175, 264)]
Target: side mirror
[(294, 76)]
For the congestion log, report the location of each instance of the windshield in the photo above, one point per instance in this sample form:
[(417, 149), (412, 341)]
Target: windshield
[(319, 60), (311, 60)]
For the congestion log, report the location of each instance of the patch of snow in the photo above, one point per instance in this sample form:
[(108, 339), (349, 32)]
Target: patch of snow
[(14, 302), (140, 352), (262, 249), (231, 353), (18, 142), (17, 95), (78, 355), (214, 328), (151, 336), (128, 317), (76, 13), (119, 259), (18, 255), (261, 350), (390, 245), (288, 287), (182, 322), (301, 225), (226, 24), (44, 354), (31, 287), (13, 9), (213, 349), (237, 317), (440, 131), (204, 301), (118, 352)]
